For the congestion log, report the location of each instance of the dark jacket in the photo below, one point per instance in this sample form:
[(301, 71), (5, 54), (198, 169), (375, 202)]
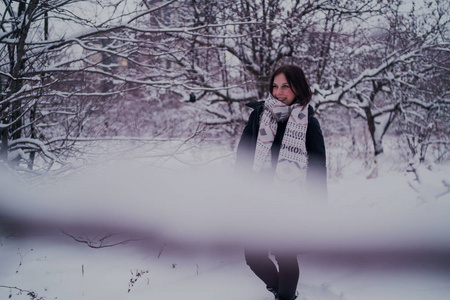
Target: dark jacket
[(316, 174)]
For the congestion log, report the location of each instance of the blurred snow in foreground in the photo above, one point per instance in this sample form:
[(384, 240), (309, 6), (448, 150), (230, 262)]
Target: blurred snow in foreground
[(210, 205), (385, 238)]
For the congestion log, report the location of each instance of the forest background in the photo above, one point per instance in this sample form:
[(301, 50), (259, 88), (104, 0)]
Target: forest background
[(78, 74)]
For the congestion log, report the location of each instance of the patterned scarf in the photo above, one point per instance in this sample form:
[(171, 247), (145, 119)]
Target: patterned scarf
[(293, 158)]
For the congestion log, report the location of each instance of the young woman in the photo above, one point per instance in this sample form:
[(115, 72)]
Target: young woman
[(283, 140)]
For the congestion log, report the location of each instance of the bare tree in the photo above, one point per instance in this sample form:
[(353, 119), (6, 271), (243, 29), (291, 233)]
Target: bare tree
[(55, 80), (258, 36), (390, 67)]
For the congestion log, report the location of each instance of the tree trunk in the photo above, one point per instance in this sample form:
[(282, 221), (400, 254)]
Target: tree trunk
[(4, 148), (376, 138)]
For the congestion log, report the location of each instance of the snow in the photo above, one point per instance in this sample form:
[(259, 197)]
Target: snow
[(185, 228)]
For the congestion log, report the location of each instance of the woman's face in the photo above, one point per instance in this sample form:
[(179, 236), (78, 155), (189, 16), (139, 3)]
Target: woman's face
[(281, 90)]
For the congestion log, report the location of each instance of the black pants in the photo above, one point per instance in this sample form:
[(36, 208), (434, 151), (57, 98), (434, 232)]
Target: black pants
[(283, 280)]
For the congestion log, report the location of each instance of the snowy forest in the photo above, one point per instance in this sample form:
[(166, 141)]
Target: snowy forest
[(77, 72), (117, 116)]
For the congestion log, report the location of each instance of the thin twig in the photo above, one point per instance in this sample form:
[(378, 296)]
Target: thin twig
[(101, 243), (32, 294)]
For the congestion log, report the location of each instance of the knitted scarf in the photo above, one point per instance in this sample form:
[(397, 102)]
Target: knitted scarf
[(293, 159)]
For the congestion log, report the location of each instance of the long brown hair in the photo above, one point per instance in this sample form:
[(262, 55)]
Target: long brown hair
[(297, 82)]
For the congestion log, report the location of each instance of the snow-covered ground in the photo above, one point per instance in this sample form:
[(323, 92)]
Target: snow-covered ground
[(181, 234)]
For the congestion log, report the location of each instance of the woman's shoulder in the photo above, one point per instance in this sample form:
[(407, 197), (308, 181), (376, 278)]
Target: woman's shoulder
[(255, 104), (311, 116)]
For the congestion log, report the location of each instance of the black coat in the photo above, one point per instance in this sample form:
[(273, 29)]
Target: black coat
[(316, 174)]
